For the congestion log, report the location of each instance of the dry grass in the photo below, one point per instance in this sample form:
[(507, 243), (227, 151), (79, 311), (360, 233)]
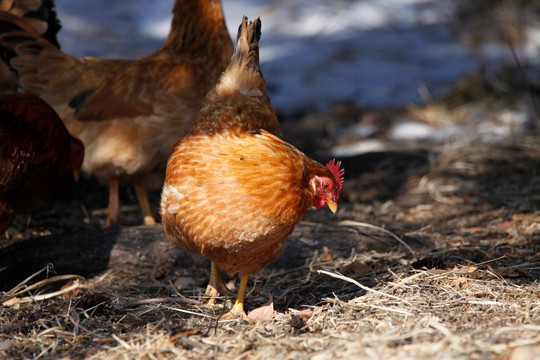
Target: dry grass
[(461, 282), (465, 311), (467, 288)]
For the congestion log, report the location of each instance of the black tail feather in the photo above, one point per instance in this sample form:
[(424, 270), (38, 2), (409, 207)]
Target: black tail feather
[(47, 14)]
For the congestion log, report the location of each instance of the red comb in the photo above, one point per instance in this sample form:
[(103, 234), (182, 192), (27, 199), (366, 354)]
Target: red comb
[(333, 166)]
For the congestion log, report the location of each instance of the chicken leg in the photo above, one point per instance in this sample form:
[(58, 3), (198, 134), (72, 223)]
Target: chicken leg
[(142, 197), (214, 284), (112, 210), (238, 308)]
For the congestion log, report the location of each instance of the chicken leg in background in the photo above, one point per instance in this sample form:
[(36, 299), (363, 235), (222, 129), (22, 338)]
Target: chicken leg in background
[(41, 16), (233, 192), (35, 149), (127, 113)]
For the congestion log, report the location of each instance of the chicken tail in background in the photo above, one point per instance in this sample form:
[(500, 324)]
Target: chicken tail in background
[(41, 16), (242, 86), (36, 149)]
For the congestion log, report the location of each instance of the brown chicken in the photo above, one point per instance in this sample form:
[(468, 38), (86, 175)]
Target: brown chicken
[(41, 16), (233, 191), (35, 149), (127, 113)]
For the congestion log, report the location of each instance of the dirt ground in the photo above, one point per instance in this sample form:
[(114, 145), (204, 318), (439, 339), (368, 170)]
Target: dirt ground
[(434, 254)]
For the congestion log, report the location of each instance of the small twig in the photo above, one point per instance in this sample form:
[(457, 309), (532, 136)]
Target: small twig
[(17, 289), (354, 304), (27, 299), (44, 351), (121, 342), (22, 288), (187, 311), (342, 277), (369, 226)]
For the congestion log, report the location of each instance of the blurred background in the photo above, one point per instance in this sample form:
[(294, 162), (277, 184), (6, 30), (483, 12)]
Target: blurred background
[(396, 70)]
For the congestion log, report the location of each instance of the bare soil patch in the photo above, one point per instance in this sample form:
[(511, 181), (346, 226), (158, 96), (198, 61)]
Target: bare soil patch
[(468, 289)]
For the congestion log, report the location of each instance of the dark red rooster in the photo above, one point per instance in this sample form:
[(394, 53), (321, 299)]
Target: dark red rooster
[(233, 191), (35, 149)]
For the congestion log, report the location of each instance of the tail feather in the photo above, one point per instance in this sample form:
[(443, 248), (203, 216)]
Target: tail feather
[(243, 73), (247, 43), (40, 14), (33, 64), (14, 31), (239, 98), (23, 20)]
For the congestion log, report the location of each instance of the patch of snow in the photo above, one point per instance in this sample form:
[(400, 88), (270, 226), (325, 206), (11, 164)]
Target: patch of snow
[(410, 131)]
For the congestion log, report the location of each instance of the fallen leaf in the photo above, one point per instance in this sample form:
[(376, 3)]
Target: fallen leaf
[(297, 322), (513, 273), (326, 255), (263, 313), (305, 314), (505, 226), (460, 282), (159, 273), (13, 303), (475, 229), (355, 269), (72, 293)]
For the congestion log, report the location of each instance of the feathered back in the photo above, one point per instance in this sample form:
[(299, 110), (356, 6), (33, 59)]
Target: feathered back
[(239, 98)]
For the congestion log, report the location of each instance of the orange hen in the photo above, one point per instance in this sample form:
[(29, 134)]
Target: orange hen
[(233, 191), (35, 149), (127, 113)]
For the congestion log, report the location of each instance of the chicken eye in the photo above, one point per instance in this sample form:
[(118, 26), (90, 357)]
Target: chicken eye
[(325, 186)]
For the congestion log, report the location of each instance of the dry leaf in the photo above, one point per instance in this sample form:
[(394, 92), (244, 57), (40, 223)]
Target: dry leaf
[(460, 282), (355, 269), (505, 226), (72, 293), (513, 273), (305, 314), (13, 303), (263, 313), (326, 255)]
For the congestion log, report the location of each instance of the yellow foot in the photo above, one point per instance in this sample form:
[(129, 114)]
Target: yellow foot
[(211, 292), (229, 315), (237, 312)]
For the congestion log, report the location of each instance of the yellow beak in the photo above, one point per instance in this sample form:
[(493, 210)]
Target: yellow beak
[(332, 205), (76, 174)]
